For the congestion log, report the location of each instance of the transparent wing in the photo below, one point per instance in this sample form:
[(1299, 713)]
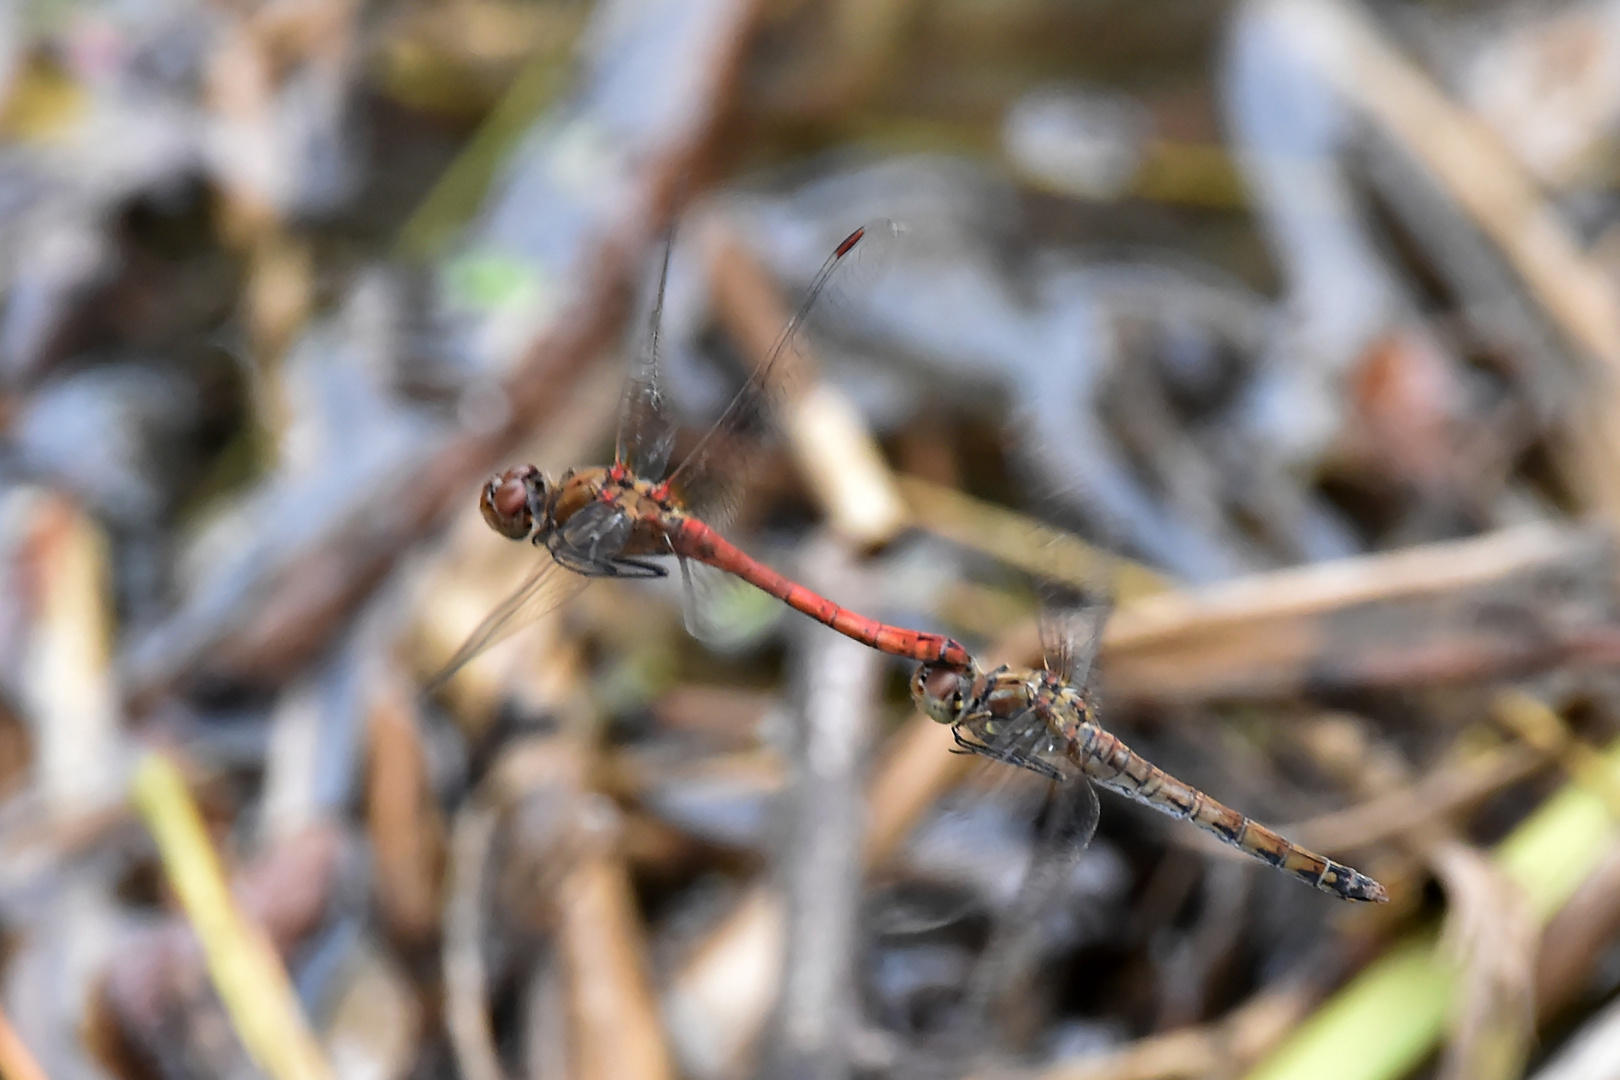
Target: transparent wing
[(646, 431), (724, 612), (1012, 955), (548, 588), (1071, 625), (711, 479), (1023, 773), (1072, 818)]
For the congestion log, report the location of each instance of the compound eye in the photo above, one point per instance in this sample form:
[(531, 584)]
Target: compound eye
[(943, 684), (505, 502), (939, 690)]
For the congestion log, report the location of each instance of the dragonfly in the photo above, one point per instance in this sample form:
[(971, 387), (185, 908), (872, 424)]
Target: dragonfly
[(1043, 720), (612, 521)]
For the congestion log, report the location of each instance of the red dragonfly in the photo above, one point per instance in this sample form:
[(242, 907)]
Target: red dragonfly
[(611, 521), (1044, 720)]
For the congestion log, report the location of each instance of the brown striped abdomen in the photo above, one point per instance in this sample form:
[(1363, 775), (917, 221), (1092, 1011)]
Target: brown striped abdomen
[(1108, 761), (695, 540)]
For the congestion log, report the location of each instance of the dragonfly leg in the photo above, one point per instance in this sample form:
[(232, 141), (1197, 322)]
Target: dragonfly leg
[(628, 567), (1005, 754), (619, 566), (581, 563)]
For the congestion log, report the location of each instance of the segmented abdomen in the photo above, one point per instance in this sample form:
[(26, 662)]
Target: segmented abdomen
[(693, 539), (1108, 761)]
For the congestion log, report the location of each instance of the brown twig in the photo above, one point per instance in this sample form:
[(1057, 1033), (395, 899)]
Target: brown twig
[(617, 1030), (1574, 941), (1491, 931), (564, 873), (406, 830)]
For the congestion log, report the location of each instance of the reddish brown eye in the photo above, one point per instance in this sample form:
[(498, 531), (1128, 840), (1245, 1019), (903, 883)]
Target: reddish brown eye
[(509, 499), (942, 683)]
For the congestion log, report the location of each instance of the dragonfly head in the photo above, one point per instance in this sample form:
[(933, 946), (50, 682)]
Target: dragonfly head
[(942, 691), (515, 501)]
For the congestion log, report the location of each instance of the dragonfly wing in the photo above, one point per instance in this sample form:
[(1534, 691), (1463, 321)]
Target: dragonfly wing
[(711, 479), (646, 431), (722, 611), (1071, 818), (1071, 627), (1013, 953), (549, 587)]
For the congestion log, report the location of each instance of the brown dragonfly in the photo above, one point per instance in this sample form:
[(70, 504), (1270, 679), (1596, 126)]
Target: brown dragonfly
[(1043, 720)]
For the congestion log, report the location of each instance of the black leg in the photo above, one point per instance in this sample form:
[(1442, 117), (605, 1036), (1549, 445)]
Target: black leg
[(581, 564), (622, 566), (628, 567), (1005, 755)]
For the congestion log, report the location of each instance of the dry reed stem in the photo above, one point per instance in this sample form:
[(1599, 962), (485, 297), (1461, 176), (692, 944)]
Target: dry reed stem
[(1201, 1050), (721, 997), (68, 688), (1419, 616), (1023, 542), (819, 862), (1590, 1053), (1575, 941), (242, 960)]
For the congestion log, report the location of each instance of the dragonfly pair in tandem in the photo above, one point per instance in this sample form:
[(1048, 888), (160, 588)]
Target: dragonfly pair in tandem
[(611, 521)]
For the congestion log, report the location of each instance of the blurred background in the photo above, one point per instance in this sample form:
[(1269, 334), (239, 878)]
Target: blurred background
[(1294, 325)]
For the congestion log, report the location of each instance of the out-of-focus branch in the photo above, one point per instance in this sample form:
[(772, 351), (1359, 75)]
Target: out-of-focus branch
[(820, 861)]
